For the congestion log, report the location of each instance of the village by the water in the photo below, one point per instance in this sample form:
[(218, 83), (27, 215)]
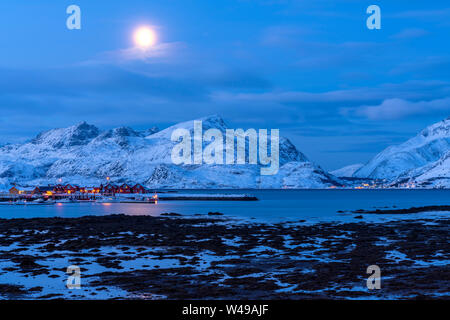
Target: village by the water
[(103, 193), (66, 193)]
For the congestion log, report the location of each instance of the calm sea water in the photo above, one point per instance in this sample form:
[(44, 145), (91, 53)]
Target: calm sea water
[(273, 205)]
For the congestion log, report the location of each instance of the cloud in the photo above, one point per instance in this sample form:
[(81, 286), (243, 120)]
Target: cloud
[(99, 80), (413, 90), (410, 33), (391, 109), (110, 91), (109, 94), (161, 52)]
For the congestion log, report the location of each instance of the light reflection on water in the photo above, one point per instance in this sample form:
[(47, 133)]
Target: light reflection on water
[(272, 204)]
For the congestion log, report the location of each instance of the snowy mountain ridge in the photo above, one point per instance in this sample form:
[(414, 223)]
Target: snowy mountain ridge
[(83, 154), (422, 159), (347, 171)]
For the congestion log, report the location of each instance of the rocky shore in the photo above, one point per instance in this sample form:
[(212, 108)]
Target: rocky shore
[(215, 257), (406, 211)]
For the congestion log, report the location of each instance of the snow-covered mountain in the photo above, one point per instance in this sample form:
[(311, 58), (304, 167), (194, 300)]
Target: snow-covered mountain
[(434, 175), (423, 159), (347, 171), (83, 154)]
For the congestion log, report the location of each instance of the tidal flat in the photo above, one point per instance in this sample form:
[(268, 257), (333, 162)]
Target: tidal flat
[(217, 257)]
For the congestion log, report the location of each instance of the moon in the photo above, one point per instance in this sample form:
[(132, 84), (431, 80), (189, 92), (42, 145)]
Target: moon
[(144, 37)]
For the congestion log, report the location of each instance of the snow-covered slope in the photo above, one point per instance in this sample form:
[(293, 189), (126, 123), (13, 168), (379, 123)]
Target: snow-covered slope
[(422, 157), (347, 171), (85, 155), (433, 175)]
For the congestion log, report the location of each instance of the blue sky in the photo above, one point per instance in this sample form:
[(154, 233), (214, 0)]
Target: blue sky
[(312, 69)]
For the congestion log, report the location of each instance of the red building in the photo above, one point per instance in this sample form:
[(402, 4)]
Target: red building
[(109, 188), (103, 189), (68, 188), (137, 188), (124, 188), (59, 188)]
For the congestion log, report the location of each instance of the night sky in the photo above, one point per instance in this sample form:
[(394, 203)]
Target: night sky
[(339, 91)]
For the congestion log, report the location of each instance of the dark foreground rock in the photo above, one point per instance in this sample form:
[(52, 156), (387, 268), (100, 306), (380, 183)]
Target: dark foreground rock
[(405, 211), (201, 257)]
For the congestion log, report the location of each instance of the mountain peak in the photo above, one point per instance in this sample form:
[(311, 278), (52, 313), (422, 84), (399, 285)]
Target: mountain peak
[(437, 130), (82, 124), (209, 122), (120, 133), (125, 132), (212, 117), (411, 156), (82, 154), (79, 134), (149, 131), (213, 121)]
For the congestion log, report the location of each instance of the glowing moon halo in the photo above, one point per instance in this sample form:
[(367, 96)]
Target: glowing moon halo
[(144, 37)]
